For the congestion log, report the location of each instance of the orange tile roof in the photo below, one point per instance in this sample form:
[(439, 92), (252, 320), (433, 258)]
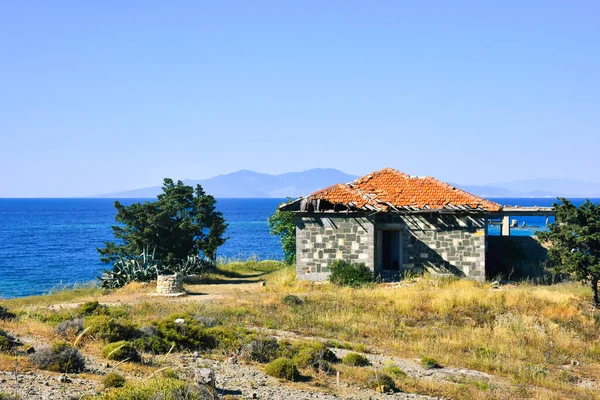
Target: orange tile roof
[(390, 189)]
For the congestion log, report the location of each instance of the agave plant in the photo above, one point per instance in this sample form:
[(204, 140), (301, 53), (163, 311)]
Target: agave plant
[(141, 268), (193, 265)]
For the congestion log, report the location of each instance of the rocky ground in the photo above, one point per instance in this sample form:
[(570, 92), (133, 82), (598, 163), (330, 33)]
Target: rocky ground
[(233, 378)]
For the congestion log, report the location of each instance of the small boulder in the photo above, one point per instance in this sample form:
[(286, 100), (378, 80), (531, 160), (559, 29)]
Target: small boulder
[(205, 377)]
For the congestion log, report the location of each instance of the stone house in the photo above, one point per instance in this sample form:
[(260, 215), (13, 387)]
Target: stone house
[(393, 223)]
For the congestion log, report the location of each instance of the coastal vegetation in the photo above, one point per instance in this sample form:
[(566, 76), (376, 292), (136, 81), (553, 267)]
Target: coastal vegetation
[(182, 222), (517, 340), (575, 242), (283, 224)]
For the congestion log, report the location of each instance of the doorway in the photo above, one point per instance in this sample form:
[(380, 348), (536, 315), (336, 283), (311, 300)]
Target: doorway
[(391, 250)]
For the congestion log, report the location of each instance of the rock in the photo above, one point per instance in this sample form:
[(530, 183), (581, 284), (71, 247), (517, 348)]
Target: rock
[(253, 395), (30, 350), (179, 321), (232, 360), (205, 376), (64, 379)]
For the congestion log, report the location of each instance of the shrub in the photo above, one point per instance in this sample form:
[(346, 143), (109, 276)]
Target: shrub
[(7, 396), (107, 329), (91, 308), (356, 360), (292, 300), (394, 370), (381, 382), (283, 368), (347, 274), (262, 350), (429, 363), (164, 389), (69, 328), (314, 355), (60, 357), (7, 342), (121, 351), (113, 380), (189, 335), (208, 322), (5, 314), (152, 344), (228, 339)]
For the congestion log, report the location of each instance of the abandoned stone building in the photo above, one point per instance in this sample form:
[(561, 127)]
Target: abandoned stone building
[(394, 223)]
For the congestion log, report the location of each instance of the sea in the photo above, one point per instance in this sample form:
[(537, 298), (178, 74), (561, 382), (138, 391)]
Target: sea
[(49, 244)]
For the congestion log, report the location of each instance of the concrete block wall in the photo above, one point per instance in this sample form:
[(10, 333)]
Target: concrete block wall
[(320, 240), (439, 244), (442, 244)]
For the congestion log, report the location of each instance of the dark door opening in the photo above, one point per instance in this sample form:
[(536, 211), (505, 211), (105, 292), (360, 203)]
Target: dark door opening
[(390, 250)]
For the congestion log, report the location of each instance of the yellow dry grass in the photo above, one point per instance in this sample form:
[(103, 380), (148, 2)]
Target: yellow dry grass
[(541, 341)]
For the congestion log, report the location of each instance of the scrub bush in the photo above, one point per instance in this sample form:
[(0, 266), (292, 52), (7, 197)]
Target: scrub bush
[(153, 389), (381, 382), (344, 273), (356, 360), (113, 380), (7, 343), (189, 335), (70, 327), (292, 300), (5, 314), (108, 329), (91, 308), (228, 339), (429, 363), (314, 355), (283, 368), (60, 357), (121, 351), (262, 350)]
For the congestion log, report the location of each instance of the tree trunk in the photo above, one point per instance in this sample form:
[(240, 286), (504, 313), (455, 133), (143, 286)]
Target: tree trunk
[(595, 289)]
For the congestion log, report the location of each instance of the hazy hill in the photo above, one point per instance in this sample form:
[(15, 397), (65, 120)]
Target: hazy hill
[(250, 184), (246, 183)]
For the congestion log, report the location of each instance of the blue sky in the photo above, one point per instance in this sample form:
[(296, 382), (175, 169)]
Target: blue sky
[(105, 96)]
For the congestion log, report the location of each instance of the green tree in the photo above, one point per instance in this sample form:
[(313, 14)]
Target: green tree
[(182, 222), (283, 224), (574, 240)]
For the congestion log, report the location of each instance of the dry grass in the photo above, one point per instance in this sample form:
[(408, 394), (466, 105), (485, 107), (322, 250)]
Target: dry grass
[(527, 335)]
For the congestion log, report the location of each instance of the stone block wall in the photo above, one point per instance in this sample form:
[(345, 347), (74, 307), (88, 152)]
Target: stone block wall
[(441, 244), (322, 239)]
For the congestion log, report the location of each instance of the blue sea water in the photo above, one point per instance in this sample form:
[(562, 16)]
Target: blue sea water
[(46, 243)]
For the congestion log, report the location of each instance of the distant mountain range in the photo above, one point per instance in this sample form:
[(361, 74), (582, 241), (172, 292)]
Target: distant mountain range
[(250, 184)]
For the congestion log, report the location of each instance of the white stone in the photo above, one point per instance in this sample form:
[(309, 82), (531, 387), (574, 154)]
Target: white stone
[(319, 238), (363, 256), (355, 246), (179, 321), (340, 242)]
